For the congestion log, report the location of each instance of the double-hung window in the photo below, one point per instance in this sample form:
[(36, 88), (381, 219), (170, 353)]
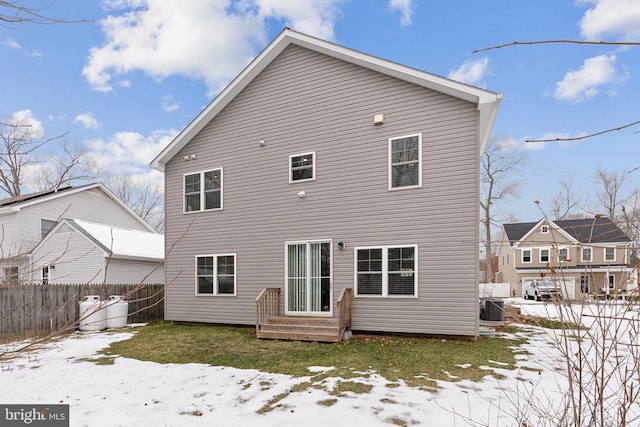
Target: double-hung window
[(203, 191), (526, 255), (586, 255), (386, 271), (609, 254), (405, 162), (216, 274), (302, 167), (563, 254), (544, 255)]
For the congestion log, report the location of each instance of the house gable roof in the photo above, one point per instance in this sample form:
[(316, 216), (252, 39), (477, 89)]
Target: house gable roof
[(586, 230), (487, 102), (16, 203), (116, 242)]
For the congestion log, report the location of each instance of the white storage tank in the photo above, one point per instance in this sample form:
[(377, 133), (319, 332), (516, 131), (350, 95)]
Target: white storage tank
[(117, 309), (92, 315)]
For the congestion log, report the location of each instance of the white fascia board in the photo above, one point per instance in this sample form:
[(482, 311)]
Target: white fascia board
[(486, 101), (553, 227)]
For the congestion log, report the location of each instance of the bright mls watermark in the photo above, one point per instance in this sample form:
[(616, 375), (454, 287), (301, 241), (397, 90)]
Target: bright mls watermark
[(34, 415)]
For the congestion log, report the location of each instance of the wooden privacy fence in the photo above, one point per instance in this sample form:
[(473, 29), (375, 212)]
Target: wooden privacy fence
[(30, 310)]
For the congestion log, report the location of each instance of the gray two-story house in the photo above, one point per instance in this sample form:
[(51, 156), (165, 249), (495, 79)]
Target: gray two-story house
[(582, 256), (319, 173)]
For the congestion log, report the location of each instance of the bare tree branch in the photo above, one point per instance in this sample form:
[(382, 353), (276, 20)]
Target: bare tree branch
[(582, 42), (18, 11), (578, 138)]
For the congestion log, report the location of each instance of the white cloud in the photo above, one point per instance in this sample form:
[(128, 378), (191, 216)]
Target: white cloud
[(611, 18), (471, 72), (585, 82), (169, 103), (31, 126), (11, 43), (128, 153), (205, 40), (405, 9), (87, 120)]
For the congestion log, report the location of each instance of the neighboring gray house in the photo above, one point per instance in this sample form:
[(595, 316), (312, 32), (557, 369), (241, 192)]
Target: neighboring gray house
[(26, 219), (321, 169), (583, 256), (77, 251)]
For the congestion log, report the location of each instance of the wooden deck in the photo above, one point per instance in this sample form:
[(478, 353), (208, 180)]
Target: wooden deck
[(271, 324)]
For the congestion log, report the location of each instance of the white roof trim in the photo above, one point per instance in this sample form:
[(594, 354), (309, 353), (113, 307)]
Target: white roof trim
[(18, 206), (553, 226), (487, 102)]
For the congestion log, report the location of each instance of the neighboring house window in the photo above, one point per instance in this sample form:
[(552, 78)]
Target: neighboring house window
[(544, 255), (45, 226), (526, 255), (203, 191), (544, 229), (585, 279), (586, 254), (612, 281), (386, 271), (302, 167), (45, 275), (216, 274), (11, 275), (563, 254), (609, 254), (405, 162)]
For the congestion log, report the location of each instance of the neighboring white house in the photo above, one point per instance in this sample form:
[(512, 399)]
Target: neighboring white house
[(25, 220), (77, 251)]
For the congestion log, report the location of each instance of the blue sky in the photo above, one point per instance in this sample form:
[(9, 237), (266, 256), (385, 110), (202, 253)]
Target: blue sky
[(127, 82)]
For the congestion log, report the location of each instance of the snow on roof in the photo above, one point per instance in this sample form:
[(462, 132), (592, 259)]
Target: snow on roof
[(123, 242)]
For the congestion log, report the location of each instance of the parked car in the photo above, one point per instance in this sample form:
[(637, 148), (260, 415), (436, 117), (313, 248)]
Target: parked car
[(542, 289)]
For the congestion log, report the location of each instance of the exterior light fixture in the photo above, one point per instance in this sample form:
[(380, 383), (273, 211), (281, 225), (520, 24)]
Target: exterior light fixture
[(341, 245)]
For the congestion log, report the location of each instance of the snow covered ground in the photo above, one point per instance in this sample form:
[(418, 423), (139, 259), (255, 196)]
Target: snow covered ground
[(135, 393)]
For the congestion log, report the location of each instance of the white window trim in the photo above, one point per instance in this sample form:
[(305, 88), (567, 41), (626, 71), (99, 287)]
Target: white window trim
[(202, 192), (582, 258), (559, 255), (604, 255), (530, 256), (286, 269), (291, 180), (390, 169), (385, 271), (548, 254), (611, 281), (544, 229), (42, 270), (215, 275)]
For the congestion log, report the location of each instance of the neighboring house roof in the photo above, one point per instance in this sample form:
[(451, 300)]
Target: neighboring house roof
[(586, 230), (14, 204), (487, 102), (116, 242)]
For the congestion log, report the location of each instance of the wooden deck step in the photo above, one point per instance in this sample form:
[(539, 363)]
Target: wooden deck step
[(300, 329)]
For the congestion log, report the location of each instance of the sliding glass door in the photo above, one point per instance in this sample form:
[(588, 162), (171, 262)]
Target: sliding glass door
[(308, 288)]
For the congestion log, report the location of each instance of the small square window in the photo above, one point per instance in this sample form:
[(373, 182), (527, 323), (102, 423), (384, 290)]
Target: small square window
[(544, 229), (302, 167)]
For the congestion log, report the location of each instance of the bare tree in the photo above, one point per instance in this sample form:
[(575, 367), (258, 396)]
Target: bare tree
[(65, 168), (20, 11), (23, 159), (498, 183), (144, 198), (609, 190), (20, 141), (565, 202)]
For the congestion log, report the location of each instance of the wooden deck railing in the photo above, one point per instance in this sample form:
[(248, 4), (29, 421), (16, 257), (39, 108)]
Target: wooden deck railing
[(267, 305), (345, 309)]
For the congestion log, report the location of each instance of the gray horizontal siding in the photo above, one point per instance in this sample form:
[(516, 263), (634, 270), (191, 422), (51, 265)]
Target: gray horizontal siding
[(305, 102)]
